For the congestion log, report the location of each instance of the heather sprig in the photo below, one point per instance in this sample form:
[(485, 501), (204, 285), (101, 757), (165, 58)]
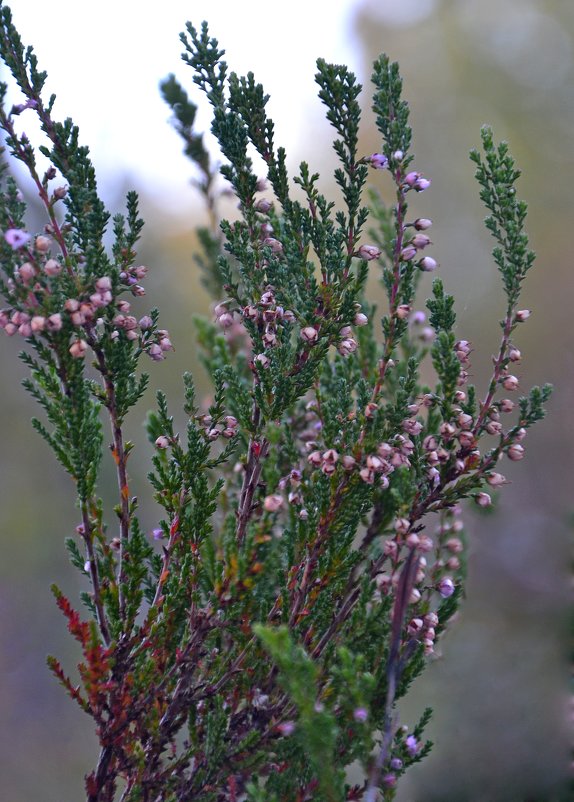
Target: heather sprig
[(309, 549)]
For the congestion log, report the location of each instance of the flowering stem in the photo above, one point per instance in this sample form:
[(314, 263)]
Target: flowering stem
[(497, 370), (258, 448)]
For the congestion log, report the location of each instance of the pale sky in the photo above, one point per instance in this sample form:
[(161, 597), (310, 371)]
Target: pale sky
[(105, 61)]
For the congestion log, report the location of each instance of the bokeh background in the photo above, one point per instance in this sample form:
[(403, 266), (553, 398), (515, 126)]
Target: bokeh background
[(500, 690)]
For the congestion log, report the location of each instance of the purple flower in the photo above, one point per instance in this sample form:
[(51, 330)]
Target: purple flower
[(16, 238), (157, 533), (412, 745), (379, 161), (360, 714)]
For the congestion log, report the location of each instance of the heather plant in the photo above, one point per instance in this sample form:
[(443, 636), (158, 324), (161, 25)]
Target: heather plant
[(309, 548)]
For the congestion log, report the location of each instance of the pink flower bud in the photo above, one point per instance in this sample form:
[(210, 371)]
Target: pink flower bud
[(427, 264), (446, 587), (375, 463), (420, 241), (506, 405), (309, 335), (315, 458), (369, 252), (367, 475), (360, 319), (422, 184), (155, 352), (454, 545), (403, 311), (267, 299), (483, 499), (52, 268), (464, 421), (430, 443), (447, 430), (331, 456), (371, 410), (78, 349), (398, 155), (494, 427), (38, 323), (262, 360), (466, 440), (413, 427), (510, 383), (422, 224), (42, 244), (412, 178), (274, 244), (225, 320), (162, 442), (520, 434), (263, 206), (496, 479), (348, 462), (415, 596), (269, 339), (347, 347), (515, 452), (522, 315), (408, 253), (27, 272), (514, 355), (104, 283), (273, 503), (54, 322), (426, 544), (401, 526)]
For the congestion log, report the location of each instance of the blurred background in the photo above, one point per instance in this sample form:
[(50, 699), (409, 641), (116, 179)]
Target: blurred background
[(500, 689)]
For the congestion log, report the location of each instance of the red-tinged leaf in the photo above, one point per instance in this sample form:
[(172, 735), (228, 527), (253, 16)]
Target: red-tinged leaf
[(164, 576), (174, 526), (125, 492), (91, 785), (78, 628)]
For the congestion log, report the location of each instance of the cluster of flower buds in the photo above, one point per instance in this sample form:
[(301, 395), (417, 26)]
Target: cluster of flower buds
[(213, 429), (416, 181), (418, 243), (292, 482), (131, 277), (423, 629)]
